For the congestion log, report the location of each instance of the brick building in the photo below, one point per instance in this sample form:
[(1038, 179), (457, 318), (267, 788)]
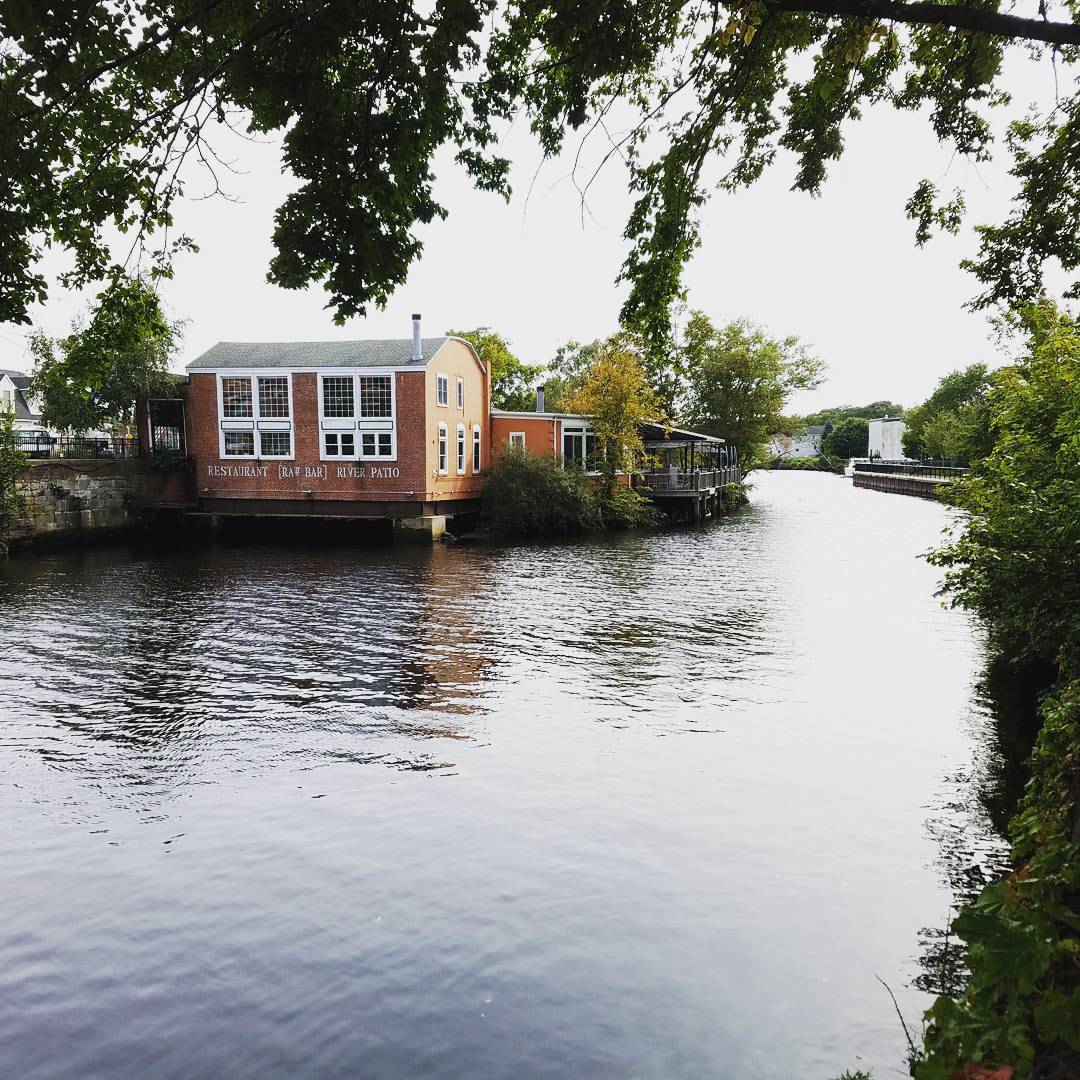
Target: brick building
[(386, 429), (400, 430)]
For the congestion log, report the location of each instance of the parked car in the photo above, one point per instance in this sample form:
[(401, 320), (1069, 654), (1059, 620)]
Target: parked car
[(35, 443)]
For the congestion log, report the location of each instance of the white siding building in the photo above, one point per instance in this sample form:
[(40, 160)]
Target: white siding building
[(886, 438)]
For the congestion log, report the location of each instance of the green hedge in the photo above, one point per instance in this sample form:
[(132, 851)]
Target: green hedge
[(529, 495)]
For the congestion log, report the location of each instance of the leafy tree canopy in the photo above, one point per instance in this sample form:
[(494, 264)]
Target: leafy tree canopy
[(954, 421), (92, 378), (103, 102), (849, 438), (1013, 558), (512, 382), (843, 412), (615, 393), (739, 380)]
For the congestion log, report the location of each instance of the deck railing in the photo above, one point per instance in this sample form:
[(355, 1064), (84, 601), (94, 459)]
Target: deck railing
[(929, 470), (674, 482)]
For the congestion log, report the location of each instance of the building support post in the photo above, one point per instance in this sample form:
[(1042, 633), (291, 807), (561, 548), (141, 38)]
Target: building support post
[(425, 529)]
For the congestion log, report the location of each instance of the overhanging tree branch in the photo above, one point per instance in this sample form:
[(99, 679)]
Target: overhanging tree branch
[(978, 20)]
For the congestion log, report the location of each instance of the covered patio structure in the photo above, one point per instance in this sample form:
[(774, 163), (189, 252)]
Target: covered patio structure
[(686, 470)]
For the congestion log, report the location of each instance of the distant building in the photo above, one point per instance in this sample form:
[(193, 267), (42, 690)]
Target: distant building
[(805, 445), (886, 438), (14, 396)]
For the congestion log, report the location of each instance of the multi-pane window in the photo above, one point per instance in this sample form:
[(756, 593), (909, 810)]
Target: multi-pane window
[(356, 417), (236, 397), (376, 444), (239, 443), (376, 397), (461, 449), (338, 395), (442, 389), (476, 448), (340, 443), (444, 451), (274, 396), (461, 395), (275, 443), (517, 438), (256, 416)]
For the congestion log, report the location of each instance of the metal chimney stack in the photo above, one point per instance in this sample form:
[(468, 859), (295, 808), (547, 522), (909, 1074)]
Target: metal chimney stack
[(539, 399), (417, 348)]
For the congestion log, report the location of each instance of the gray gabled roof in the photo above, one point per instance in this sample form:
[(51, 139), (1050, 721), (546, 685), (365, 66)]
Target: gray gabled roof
[(316, 354), (17, 377)]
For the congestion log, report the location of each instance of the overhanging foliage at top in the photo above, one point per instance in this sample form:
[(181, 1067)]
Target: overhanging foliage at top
[(103, 106)]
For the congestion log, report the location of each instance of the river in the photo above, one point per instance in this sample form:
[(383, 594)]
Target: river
[(646, 806)]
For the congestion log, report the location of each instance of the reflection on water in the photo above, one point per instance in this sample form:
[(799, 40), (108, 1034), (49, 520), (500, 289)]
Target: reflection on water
[(657, 806)]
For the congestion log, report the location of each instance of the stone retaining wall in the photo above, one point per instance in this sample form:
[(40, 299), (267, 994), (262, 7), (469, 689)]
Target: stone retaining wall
[(65, 501)]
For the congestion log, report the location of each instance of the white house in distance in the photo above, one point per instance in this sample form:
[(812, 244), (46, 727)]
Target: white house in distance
[(14, 397), (886, 438), (806, 445)]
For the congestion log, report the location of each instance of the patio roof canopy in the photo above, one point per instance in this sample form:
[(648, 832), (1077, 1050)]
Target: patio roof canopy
[(656, 436)]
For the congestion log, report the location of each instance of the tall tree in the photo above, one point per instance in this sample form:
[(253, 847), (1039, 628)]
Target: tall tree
[(740, 379), (512, 382), (92, 378), (616, 396), (1013, 557), (849, 438), (104, 101), (954, 421)]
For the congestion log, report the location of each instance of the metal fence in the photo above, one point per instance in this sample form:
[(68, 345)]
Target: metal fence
[(931, 470), (40, 444), (672, 482)]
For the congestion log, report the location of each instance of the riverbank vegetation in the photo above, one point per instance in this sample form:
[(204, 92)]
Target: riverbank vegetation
[(1014, 561), (820, 463), (533, 496), (953, 424), (12, 465)]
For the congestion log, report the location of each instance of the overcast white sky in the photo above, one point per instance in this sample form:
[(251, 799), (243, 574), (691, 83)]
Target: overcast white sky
[(840, 271)]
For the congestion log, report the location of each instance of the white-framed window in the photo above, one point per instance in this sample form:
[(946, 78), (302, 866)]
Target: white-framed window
[(476, 448), (337, 396), (460, 394), (442, 389), (339, 444), (357, 415), (255, 415), (238, 444), (579, 447), (444, 450), (376, 397), (461, 449), (517, 438)]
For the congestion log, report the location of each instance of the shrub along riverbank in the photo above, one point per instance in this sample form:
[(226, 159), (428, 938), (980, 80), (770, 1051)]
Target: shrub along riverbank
[(1015, 562), (821, 463), (527, 495)]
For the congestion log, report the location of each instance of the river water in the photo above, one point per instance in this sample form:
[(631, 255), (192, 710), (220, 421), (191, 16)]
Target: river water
[(650, 806)]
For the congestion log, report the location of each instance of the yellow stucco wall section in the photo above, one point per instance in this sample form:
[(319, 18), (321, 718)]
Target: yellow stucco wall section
[(456, 360)]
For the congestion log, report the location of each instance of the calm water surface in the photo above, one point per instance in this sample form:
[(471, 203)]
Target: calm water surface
[(656, 806)]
